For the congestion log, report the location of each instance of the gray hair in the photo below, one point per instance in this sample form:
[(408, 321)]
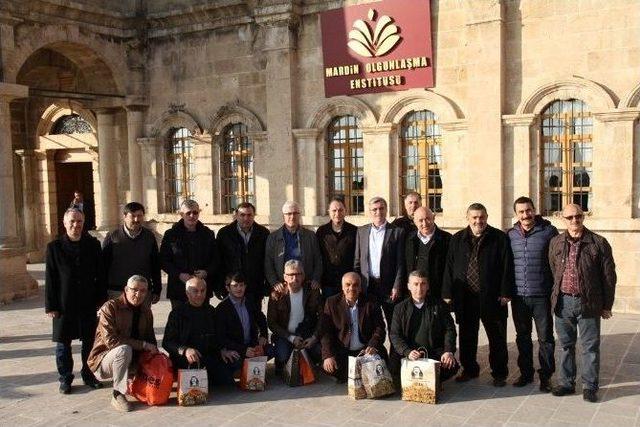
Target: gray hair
[(378, 199), (189, 204), (290, 204), (419, 274), (136, 278), (294, 263), (71, 211), (477, 207), (193, 282)]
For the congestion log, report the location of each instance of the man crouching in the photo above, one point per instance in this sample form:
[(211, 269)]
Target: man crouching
[(125, 327)]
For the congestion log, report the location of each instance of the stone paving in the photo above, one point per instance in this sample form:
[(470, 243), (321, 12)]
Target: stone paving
[(29, 395)]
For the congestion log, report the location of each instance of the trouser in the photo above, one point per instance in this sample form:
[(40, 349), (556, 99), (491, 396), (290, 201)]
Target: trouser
[(383, 299), (525, 309), (115, 364), (64, 359), (283, 349), (569, 322), (496, 330)]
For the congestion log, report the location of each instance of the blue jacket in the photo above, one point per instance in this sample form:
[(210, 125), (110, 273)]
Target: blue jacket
[(530, 258)]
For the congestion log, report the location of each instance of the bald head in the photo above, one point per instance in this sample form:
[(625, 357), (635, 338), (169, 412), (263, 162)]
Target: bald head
[(424, 219)]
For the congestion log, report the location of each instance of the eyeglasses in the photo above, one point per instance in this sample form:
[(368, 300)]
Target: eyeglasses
[(291, 213), (577, 217), (194, 213), (137, 290)]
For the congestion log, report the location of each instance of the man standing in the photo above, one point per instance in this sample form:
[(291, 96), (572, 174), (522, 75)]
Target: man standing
[(337, 240), (74, 289), (478, 280), (241, 246), (292, 241), (423, 321), (379, 258), (129, 250), (125, 329), (411, 202), (426, 249), (583, 291), (188, 250), (530, 238)]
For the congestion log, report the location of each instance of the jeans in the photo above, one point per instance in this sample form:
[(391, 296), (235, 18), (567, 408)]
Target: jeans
[(568, 323), (539, 309), (64, 359)]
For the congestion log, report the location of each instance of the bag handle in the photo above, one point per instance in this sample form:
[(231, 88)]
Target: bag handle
[(423, 351)]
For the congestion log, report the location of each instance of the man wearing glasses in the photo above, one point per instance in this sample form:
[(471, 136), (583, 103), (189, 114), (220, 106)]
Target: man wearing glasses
[(125, 328), (292, 241), (583, 291), (188, 250)]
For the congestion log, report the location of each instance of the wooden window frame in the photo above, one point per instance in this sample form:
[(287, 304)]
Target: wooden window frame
[(178, 188), (237, 167)]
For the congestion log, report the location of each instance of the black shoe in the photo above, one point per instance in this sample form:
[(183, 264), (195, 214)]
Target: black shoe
[(466, 376), (522, 381), (545, 385), (65, 388), (93, 383), (589, 395), (561, 390), (499, 382)]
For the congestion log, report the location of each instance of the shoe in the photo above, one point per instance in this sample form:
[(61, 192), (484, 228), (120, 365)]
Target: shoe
[(120, 403), (561, 390), (589, 395), (93, 383), (522, 381), (65, 388), (499, 382), (545, 385), (466, 376)]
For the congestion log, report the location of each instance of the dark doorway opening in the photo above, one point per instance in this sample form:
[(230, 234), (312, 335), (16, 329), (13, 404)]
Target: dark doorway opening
[(69, 178)]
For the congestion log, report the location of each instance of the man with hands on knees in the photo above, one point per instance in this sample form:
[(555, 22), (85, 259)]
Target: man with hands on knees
[(351, 324)]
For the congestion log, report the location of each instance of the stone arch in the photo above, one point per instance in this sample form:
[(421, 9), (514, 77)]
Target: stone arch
[(341, 106), (598, 99), (229, 114), (68, 41), (64, 108), (444, 108), (172, 120), (631, 99)]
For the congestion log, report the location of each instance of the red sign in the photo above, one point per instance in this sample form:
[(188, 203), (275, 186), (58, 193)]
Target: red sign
[(377, 47)]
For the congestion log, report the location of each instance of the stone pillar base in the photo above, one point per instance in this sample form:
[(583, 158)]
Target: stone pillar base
[(15, 282)]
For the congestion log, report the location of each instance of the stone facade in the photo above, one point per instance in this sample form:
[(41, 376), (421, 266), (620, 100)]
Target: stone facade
[(139, 69)]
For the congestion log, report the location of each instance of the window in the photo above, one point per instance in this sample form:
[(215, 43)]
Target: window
[(72, 123), (238, 184), (421, 158), (179, 167), (567, 155), (345, 162)]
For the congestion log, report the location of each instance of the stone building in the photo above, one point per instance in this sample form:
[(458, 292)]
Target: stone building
[(223, 101)]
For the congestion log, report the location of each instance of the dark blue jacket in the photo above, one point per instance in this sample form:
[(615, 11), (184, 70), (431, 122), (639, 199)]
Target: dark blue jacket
[(530, 258)]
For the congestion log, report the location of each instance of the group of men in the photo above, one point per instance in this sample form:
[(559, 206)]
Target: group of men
[(331, 292)]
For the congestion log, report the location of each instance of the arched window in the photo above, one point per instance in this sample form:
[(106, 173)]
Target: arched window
[(69, 124), (345, 163), (238, 184), (179, 168), (567, 149), (421, 158)]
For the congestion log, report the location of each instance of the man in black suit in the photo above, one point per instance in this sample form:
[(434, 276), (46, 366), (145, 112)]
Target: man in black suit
[(380, 258)]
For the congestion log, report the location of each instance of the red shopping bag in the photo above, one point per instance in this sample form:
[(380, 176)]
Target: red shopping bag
[(153, 382)]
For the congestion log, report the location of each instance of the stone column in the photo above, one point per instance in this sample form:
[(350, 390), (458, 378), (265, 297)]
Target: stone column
[(107, 215), (454, 165), (376, 149), (152, 173), (261, 173), (15, 282), (525, 164), (135, 129), (202, 181), (30, 211), (309, 181)]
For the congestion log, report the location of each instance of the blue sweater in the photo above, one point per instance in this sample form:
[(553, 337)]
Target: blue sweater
[(530, 258)]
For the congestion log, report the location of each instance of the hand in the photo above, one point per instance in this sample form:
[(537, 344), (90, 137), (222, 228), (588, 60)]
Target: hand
[(155, 298), (229, 356), (315, 284), (415, 355), (504, 300), (262, 341), (53, 314), (448, 360), (151, 348), (201, 274), (329, 365), (252, 351), (279, 288), (297, 342), (606, 314), (184, 277), (395, 294), (370, 350), (310, 342), (192, 355)]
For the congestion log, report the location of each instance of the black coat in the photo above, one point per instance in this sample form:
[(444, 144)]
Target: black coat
[(436, 262), (75, 285), (229, 328), (337, 253), (495, 262), (236, 257), (182, 327), (177, 257)]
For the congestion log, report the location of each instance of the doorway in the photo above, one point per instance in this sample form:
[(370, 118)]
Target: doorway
[(69, 178)]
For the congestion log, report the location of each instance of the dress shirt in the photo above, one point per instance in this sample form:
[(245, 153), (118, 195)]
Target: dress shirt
[(245, 236), (355, 343), (376, 240), (425, 239), (243, 314)]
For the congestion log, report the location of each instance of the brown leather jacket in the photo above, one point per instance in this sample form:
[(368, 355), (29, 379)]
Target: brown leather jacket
[(114, 328), (279, 311), (596, 271)]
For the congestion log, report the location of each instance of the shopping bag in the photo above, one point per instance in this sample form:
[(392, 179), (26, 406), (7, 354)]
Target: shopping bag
[(291, 373), (193, 386), (307, 373), (355, 388), (420, 380), (376, 377), (253, 373), (153, 381)]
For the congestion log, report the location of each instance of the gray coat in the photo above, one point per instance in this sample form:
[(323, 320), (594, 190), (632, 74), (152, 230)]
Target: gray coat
[(274, 256)]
